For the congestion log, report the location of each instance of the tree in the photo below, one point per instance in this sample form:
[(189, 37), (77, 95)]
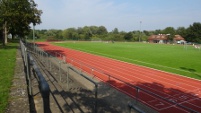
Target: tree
[(115, 31), (17, 15), (194, 32), (102, 30), (181, 31), (128, 36), (70, 34), (171, 31)]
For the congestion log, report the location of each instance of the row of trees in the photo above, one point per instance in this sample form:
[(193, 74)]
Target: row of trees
[(191, 34), (16, 17)]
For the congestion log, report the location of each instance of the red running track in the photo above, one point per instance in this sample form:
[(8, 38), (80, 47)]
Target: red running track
[(177, 94)]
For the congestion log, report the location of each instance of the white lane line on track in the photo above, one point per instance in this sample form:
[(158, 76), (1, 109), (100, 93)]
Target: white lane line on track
[(173, 96), (152, 78), (133, 76), (111, 56), (151, 95), (155, 69)]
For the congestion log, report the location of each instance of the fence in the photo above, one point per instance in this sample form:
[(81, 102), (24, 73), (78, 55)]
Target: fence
[(43, 85), (54, 61)]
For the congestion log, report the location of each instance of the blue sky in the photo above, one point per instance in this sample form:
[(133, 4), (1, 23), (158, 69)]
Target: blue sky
[(122, 14)]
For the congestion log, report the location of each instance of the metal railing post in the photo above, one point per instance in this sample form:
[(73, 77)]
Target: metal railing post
[(67, 77), (29, 74), (96, 98), (60, 70), (137, 93)]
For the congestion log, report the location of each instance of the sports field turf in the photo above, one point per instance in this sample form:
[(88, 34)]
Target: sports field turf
[(183, 60)]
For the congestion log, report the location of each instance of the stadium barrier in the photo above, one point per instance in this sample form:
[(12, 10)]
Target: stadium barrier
[(53, 62), (131, 106), (137, 89), (43, 85), (59, 58)]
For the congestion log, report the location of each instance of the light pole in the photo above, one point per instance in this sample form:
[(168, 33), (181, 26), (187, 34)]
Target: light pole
[(140, 30), (34, 34)]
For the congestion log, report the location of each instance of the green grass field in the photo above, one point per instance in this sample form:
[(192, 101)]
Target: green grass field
[(179, 59), (7, 64)]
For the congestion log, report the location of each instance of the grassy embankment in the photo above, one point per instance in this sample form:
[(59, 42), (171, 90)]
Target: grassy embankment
[(179, 59), (7, 65)]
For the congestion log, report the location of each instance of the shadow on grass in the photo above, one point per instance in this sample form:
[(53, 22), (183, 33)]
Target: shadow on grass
[(188, 69), (193, 71)]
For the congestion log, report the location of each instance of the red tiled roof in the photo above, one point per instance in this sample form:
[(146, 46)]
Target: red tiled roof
[(158, 37), (178, 37)]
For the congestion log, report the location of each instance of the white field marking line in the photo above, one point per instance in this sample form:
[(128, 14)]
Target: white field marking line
[(161, 77), (168, 96), (173, 96), (164, 78), (151, 95), (82, 50), (175, 107), (183, 102), (123, 82), (160, 71), (132, 60), (157, 99), (134, 76), (143, 74), (185, 99), (188, 101)]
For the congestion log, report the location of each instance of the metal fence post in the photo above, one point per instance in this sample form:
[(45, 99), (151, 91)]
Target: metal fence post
[(137, 93), (96, 98), (67, 77), (60, 70), (29, 74), (50, 64)]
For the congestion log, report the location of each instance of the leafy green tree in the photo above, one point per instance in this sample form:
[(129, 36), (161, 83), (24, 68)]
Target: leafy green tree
[(70, 34), (194, 32), (181, 31), (171, 31), (128, 36), (147, 33), (115, 31), (17, 15), (102, 30), (157, 31)]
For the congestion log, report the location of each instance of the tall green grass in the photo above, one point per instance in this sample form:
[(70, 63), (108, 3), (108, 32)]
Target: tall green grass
[(7, 65), (179, 59)]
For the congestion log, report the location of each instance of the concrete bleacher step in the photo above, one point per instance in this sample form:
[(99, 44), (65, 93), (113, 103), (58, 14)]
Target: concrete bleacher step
[(61, 101)]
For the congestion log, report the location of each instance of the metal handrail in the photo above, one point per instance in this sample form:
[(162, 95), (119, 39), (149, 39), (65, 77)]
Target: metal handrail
[(141, 89), (43, 85), (96, 86), (137, 88)]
